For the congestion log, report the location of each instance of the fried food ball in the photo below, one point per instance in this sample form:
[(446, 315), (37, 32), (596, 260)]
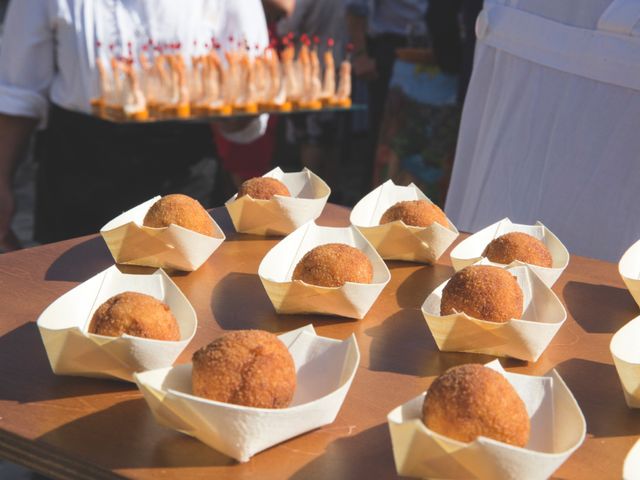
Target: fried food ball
[(181, 210), (333, 264), (518, 246), (263, 188), (472, 400), (135, 314), (484, 292), (417, 213), (247, 367)]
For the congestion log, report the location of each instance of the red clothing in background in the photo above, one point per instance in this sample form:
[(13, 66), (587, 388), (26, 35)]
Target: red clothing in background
[(249, 159)]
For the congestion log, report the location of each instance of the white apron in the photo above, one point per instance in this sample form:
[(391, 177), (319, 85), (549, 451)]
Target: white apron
[(551, 123)]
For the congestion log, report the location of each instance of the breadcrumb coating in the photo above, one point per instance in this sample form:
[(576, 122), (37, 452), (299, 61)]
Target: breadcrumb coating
[(518, 246), (333, 264), (263, 188), (181, 210), (472, 400), (135, 314), (417, 213), (247, 367), (484, 292)]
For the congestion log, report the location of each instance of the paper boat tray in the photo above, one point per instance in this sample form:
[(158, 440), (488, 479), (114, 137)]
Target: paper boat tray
[(626, 357), (631, 469), (557, 429), (396, 240), (352, 300), (281, 215), (325, 369), (469, 251), (629, 268), (524, 338), (171, 247), (73, 351)]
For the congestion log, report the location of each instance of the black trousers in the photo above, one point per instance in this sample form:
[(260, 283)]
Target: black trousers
[(90, 170)]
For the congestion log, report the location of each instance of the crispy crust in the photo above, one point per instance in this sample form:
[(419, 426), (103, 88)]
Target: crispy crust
[(417, 213), (333, 264), (181, 210), (135, 314), (263, 188), (248, 367), (472, 400), (484, 292), (518, 246)]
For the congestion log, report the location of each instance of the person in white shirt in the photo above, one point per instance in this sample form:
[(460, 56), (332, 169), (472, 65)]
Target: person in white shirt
[(89, 169), (549, 129)]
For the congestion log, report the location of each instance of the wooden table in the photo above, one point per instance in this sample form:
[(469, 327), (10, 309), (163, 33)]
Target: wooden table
[(87, 428)]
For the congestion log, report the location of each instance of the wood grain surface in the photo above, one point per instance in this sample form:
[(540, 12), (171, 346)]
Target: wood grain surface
[(70, 427)]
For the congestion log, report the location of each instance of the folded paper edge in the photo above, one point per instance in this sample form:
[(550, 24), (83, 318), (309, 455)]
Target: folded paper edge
[(460, 262)]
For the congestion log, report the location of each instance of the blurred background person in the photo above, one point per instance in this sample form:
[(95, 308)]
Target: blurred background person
[(318, 137), (89, 170), (417, 138), (377, 29)]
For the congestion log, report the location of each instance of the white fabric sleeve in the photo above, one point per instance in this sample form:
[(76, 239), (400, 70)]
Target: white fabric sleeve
[(27, 63), (246, 20)]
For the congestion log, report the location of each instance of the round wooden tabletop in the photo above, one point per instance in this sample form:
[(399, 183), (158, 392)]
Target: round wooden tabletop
[(73, 427)]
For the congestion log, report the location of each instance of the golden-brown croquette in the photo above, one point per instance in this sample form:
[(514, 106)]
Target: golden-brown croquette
[(471, 400), (518, 246), (417, 213), (263, 188), (247, 367), (181, 210), (333, 264), (484, 292), (135, 314)]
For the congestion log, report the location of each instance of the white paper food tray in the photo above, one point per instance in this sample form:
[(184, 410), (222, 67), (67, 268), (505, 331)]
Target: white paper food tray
[(73, 351), (631, 469), (397, 240), (351, 300), (626, 357), (524, 338), (324, 367), (629, 268), (281, 215), (558, 428), (172, 247)]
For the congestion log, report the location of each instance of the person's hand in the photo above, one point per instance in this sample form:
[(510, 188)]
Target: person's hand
[(364, 67), (8, 239), (242, 130)]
